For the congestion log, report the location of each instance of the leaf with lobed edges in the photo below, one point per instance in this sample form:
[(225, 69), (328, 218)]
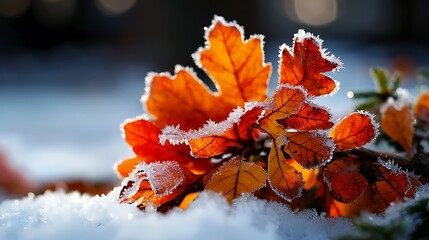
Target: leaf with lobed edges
[(305, 63)]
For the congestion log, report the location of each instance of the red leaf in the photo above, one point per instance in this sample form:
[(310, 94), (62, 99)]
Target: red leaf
[(305, 65), (345, 181), (309, 117)]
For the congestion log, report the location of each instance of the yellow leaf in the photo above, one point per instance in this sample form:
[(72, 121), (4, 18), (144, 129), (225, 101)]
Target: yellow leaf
[(236, 177), (188, 200)]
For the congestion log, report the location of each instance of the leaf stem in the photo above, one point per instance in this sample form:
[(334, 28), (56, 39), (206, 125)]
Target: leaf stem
[(417, 164)]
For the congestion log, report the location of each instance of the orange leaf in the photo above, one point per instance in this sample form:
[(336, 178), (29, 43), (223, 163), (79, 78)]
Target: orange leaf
[(310, 149), (125, 167), (421, 108), (143, 136), (354, 131), (348, 210), (345, 181), (182, 100), (309, 117), (285, 101), (284, 179), (188, 200), (305, 65), (397, 122), (236, 177), (236, 67)]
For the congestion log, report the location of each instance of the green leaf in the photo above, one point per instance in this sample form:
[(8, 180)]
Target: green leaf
[(369, 104), (396, 82), (423, 74), (370, 94), (380, 77)]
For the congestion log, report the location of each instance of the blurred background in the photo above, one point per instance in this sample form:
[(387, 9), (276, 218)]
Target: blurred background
[(71, 71)]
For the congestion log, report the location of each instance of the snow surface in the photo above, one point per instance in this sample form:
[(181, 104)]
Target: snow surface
[(59, 215)]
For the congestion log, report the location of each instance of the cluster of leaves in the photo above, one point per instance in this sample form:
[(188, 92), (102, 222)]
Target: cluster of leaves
[(404, 125), (238, 140)]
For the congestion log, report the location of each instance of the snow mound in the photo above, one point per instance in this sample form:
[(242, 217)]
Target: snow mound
[(59, 215)]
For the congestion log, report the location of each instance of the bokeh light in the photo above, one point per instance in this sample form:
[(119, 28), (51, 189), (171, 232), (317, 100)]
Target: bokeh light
[(115, 7), (312, 12), (13, 8), (54, 13)]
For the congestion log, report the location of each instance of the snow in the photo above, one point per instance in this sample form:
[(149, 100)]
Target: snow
[(59, 215), (163, 177)]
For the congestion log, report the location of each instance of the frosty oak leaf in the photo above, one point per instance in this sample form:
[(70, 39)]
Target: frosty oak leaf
[(236, 67), (305, 63)]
